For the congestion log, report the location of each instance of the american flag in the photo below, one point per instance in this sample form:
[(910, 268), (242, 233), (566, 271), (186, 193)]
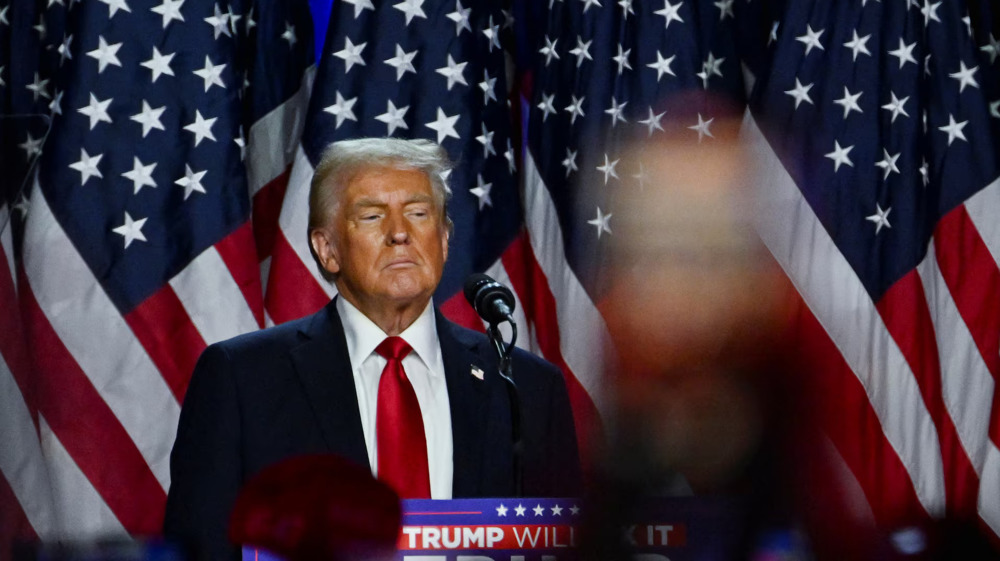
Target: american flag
[(132, 247), (877, 128)]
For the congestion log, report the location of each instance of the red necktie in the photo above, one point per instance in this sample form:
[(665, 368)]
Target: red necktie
[(399, 428)]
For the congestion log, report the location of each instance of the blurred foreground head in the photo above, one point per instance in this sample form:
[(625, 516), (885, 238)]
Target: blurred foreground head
[(319, 507), (696, 308)]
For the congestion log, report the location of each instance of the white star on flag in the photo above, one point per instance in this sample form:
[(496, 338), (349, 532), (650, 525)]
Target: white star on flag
[(800, 93), (549, 50), (402, 62), (904, 53), (608, 169), (839, 156), (569, 162), (412, 9), (343, 110), (601, 223), (888, 164), (219, 22), (849, 102), (546, 106), (87, 166), (159, 64), (486, 139), (954, 129), (140, 175), (211, 74), (444, 126), (880, 218), (170, 10), (492, 32), (896, 106), (360, 6), (702, 128), (811, 39), (858, 45), (97, 111), (488, 85), (201, 128), (149, 118), (581, 51), (615, 111), (351, 54), (461, 18), (105, 54), (575, 109), (482, 192), (191, 181), (289, 35), (662, 65), (453, 72), (671, 12), (393, 117), (113, 7), (653, 121), (131, 230), (965, 77)]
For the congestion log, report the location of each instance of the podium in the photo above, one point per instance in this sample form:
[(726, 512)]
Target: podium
[(524, 529)]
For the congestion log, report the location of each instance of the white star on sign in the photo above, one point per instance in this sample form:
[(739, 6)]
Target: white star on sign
[(488, 85), (811, 39), (616, 111), (800, 93), (538, 510), (39, 88), (342, 109), (444, 126), (581, 51), (546, 106), (149, 118), (653, 121), (857, 45), (608, 169), (87, 166), (492, 32), (412, 9), (211, 74), (570, 162), (170, 10), (897, 106), (557, 510), (351, 54), (289, 35), (992, 49), (904, 53), (519, 510), (201, 127), (601, 223), (486, 139), (575, 109), (140, 175), (839, 156), (954, 129), (662, 65), (501, 510), (702, 128), (159, 64), (219, 22), (888, 164), (131, 230), (880, 218), (191, 181), (453, 72), (402, 62), (105, 54), (461, 18), (482, 192), (114, 6), (549, 50), (710, 67), (393, 117), (97, 111), (622, 59), (670, 12), (965, 77), (360, 6), (849, 102)]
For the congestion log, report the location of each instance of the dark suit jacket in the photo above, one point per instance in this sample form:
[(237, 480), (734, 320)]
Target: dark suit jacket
[(265, 396)]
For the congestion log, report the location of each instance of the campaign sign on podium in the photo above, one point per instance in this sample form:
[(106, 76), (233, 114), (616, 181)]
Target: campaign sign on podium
[(550, 530)]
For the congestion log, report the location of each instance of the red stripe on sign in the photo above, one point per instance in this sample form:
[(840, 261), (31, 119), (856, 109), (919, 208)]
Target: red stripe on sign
[(539, 305), (848, 420), (13, 346), (908, 319), (236, 251), (972, 277), (14, 524), (266, 211), (292, 292), (89, 430), (163, 327)]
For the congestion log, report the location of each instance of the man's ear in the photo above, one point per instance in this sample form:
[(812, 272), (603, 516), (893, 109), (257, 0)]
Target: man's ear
[(444, 243), (325, 251)]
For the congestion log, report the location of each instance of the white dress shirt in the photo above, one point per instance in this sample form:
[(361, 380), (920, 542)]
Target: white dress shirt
[(424, 368)]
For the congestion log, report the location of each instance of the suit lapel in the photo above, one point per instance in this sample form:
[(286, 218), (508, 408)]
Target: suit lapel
[(467, 397), (323, 365)]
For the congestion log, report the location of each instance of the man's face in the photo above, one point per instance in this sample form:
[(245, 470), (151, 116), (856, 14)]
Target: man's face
[(387, 240)]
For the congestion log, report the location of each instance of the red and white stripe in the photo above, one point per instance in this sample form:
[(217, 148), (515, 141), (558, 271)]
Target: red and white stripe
[(924, 356)]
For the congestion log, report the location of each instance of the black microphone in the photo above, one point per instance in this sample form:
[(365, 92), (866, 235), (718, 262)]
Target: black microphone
[(493, 301)]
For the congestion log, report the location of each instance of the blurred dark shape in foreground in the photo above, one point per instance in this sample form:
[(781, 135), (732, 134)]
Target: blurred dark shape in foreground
[(711, 385), (317, 507)]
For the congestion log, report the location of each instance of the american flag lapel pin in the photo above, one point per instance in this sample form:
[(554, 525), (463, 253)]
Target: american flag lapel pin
[(477, 372)]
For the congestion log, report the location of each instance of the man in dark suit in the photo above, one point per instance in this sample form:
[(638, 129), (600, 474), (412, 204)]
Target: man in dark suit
[(378, 375)]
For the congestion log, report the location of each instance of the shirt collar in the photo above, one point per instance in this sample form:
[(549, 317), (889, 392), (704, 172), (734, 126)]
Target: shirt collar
[(363, 335)]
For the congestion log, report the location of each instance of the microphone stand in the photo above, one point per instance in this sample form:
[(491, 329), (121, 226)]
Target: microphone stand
[(503, 352)]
